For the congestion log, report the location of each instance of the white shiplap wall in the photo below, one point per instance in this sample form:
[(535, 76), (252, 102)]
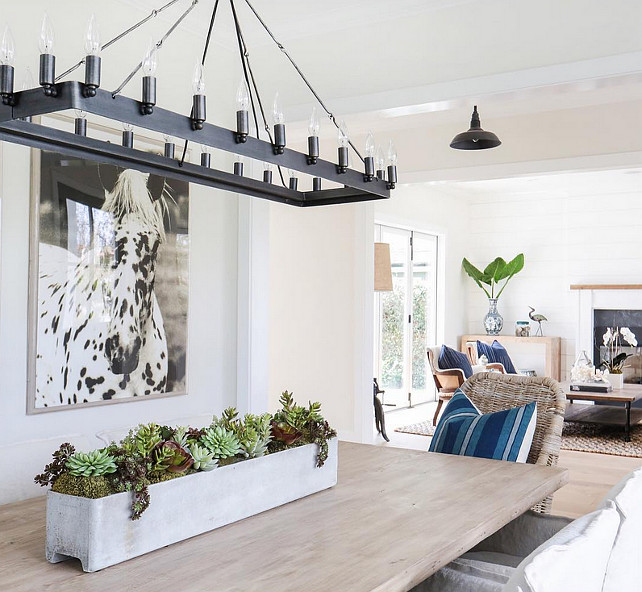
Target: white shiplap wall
[(572, 228)]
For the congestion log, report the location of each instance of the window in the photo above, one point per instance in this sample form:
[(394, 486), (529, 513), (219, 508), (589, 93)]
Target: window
[(405, 319)]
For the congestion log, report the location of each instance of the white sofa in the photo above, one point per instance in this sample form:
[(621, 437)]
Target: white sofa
[(599, 552)]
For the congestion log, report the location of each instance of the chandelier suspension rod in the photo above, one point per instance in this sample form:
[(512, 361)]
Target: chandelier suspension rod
[(205, 50), (305, 80), (159, 44), (245, 61), (118, 37)]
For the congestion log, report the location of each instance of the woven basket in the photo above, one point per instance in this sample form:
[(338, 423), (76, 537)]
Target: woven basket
[(490, 392)]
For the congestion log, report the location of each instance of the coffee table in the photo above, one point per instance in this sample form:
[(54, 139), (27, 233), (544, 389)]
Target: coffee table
[(617, 410)]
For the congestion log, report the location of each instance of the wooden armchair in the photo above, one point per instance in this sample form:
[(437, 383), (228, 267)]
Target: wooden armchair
[(447, 381), (491, 391)]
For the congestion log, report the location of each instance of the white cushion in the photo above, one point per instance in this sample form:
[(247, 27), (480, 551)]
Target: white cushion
[(574, 560), (624, 571)]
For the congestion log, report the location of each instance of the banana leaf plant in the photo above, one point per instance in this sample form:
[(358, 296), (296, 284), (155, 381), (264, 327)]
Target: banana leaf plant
[(496, 275)]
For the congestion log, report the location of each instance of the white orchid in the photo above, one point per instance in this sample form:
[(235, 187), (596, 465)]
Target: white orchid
[(607, 337), (629, 336)]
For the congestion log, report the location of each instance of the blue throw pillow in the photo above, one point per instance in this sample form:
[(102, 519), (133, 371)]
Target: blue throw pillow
[(450, 358), (496, 353), (503, 435)]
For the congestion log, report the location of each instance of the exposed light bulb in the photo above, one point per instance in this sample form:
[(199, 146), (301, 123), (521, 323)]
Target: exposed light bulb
[(205, 149), (242, 97), (392, 154), (239, 158), (28, 81), (381, 159), (268, 166), (150, 61), (168, 139), (370, 145), (128, 127), (46, 41), (7, 48), (292, 173), (198, 80), (343, 135), (92, 38), (80, 114), (277, 110), (313, 125)]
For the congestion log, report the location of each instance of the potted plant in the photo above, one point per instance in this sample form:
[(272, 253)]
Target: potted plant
[(614, 361), (99, 510), (496, 276)]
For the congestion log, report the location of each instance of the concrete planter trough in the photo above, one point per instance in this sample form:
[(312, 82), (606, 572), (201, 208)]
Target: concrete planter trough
[(100, 532)]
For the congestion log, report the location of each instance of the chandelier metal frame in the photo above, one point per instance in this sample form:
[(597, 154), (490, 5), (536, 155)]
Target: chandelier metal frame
[(18, 109)]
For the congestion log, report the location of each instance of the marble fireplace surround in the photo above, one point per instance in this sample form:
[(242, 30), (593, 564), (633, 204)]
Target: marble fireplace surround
[(601, 296)]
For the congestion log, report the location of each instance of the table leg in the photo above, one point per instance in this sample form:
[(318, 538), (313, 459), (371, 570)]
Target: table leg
[(627, 429)]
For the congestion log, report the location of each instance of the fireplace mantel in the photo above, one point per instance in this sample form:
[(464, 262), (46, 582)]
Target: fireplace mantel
[(606, 286)]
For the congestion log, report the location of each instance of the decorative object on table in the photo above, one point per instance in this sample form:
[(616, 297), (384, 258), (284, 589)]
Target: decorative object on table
[(496, 276), (109, 279), (586, 378), (613, 362), (538, 318), (475, 138), (191, 125), (522, 329), (496, 353), (290, 454), (501, 435)]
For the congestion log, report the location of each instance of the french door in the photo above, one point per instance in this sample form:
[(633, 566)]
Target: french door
[(405, 319)]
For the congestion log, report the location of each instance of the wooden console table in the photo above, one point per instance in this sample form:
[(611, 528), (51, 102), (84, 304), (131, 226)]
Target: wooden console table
[(394, 518), (553, 348)]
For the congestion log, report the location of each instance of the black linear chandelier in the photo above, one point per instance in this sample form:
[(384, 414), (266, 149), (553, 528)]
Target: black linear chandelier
[(18, 108)]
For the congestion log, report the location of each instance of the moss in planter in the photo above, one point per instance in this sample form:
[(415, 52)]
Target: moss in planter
[(158, 477), (91, 487)]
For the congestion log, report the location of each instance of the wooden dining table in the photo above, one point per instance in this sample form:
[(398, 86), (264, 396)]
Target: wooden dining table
[(394, 518)]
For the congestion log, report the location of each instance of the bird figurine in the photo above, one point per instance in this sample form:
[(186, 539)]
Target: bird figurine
[(538, 318)]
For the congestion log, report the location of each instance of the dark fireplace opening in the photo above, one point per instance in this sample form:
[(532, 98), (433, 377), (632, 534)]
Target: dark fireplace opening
[(602, 320)]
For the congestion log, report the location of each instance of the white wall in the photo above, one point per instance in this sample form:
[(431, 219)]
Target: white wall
[(319, 345), (580, 228)]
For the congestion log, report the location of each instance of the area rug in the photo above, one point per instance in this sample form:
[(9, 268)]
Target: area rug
[(600, 439)]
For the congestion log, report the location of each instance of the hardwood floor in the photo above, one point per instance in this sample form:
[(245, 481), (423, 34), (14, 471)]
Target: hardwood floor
[(592, 475)]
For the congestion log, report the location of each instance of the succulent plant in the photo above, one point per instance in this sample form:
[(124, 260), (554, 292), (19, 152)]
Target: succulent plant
[(171, 457), (55, 468), (222, 443), (284, 432), (203, 458), (179, 435), (253, 443), (91, 464), (142, 440), (228, 420)]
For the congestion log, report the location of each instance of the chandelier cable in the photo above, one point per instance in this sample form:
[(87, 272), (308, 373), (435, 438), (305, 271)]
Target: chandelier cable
[(247, 69), (305, 80), (205, 50), (159, 44), (154, 13)]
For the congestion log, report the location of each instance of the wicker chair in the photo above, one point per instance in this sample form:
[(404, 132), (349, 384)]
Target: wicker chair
[(491, 392)]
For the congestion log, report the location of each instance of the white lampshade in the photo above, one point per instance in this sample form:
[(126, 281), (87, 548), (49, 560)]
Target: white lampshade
[(382, 268)]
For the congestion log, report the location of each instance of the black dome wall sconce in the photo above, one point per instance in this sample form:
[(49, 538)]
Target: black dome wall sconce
[(475, 138)]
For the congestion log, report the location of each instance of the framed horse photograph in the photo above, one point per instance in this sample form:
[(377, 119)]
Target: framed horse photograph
[(109, 283)]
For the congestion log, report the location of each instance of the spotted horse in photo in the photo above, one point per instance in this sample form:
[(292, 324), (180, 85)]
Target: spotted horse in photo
[(100, 329)]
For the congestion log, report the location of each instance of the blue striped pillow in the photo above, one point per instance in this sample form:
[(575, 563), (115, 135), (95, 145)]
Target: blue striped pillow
[(450, 358), (503, 435)]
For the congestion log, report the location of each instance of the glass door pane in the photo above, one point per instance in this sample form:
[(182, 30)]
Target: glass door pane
[(424, 289), (393, 374)]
